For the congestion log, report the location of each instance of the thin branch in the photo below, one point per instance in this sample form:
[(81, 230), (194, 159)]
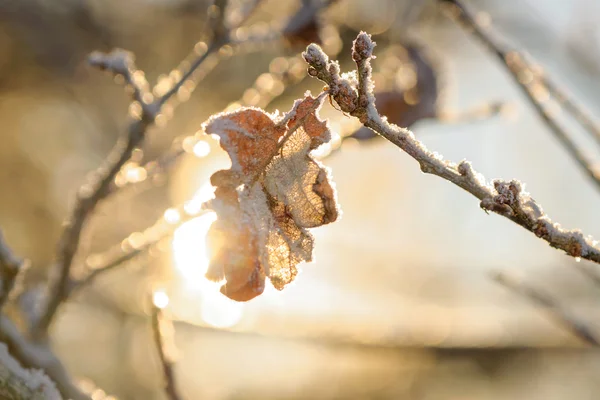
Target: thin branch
[(569, 104), (220, 37), (90, 195), (19, 383), (101, 263), (159, 325), (526, 79), (145, 112), (10, 268), (213, 48), (536, 296), (507, 199), (39, 356), (287, 76)]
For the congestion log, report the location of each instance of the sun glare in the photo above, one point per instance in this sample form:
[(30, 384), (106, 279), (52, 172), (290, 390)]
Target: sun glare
[(191, 261), (160, 299)]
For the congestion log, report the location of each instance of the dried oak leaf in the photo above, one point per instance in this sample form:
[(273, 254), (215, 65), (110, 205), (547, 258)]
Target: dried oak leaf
[(265, 202)]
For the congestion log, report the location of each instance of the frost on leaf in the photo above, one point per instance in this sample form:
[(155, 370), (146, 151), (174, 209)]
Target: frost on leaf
[(265, 202)]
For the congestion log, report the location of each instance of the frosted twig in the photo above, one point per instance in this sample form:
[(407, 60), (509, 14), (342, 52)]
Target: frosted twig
[(536, 296), (121, 63), (530, 83), (100, 263), (507, 199), (220, 37), (10, 268), (159, 323), (39, 356), (91, 194), (144, 111), (19, 383)]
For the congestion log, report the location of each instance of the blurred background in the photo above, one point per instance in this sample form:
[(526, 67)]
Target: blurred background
[(399, 303)]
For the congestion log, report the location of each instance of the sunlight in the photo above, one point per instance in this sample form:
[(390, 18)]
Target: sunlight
[(160, 299), (189, 248), (191, 261)]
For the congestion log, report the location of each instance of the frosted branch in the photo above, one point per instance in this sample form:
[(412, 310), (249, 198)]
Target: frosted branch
[(531, 82), (98, 187), (39, 357), (507, 199), (536, 296), (19, 383), (144, 110)]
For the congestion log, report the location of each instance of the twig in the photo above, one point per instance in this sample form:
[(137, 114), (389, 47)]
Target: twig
[(39, 356), (100, 263), (144, 111), (19, 383), (577, 327), (90, 195), (159, 325), (519, 69), (10, 267), (220, 37), (507, 199), (290, 75), (577, 111)]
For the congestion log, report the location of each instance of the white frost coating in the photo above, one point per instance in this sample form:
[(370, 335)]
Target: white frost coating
[(15, 379), (351, 77), (292, 113), (315, 55), (506, 198)]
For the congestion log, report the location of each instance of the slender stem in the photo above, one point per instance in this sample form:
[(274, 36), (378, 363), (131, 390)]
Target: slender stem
[(158, 321), (214, 47), (518, 67), (536, 296), (86, 203), (90, 195), (504, 198), (39, 356)]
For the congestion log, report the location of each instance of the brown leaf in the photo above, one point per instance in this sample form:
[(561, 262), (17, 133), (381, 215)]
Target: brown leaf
[(272, 193)]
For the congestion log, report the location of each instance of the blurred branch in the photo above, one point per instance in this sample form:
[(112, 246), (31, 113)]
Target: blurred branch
[(532, 86), (10, 267), (243, 13), (477, 113), (507, 199), (29, 355), (39, 356), (110, 259), (288, 72), (91, 194), (144, 111), (159, 325), (577, 327), (18, 383), (577, 111)]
